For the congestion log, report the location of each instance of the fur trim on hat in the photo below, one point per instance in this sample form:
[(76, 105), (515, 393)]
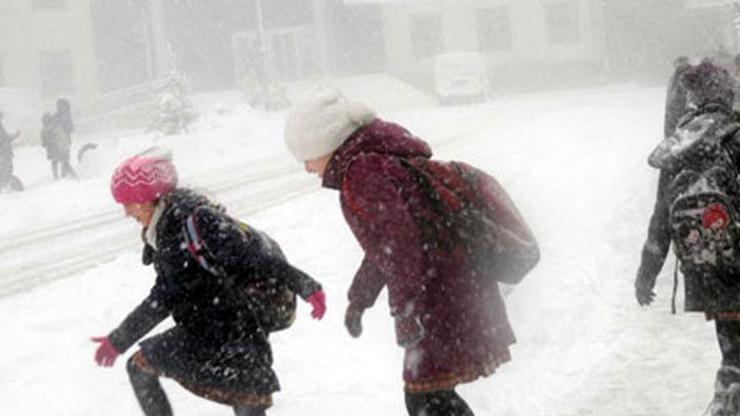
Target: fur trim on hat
[(319, 126), (144, 177)]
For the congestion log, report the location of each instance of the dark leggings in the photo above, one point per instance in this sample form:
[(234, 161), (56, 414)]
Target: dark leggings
[(153, 400), (438, 403), (726, 400), (728, 336)]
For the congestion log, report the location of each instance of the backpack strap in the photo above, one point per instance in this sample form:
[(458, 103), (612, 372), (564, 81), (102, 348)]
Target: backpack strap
[(197, 247), (675, 287)]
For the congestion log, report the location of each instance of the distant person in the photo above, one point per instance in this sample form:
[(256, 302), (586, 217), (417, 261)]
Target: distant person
[(423, 226), (696, 210), (49, 142), (63, 128), (217, 278), (7, 180)]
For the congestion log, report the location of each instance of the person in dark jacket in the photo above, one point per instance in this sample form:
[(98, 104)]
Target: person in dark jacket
[(452, 325), (49, 142), (63, 128), (218, 348), (6, 155), (709, 91)]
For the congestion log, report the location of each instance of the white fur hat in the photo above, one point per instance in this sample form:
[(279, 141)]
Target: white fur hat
[(317, 127)]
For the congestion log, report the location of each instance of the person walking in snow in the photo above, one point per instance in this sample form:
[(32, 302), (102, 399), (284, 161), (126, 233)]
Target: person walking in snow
[(707, 137), (452, 325), (209, 268), (6, 157), (63, 127), (49, 142)]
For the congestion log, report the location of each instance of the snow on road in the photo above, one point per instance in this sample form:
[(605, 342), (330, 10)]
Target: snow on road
[(575, 164)]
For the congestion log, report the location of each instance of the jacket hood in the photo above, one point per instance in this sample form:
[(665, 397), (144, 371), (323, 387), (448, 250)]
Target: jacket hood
[(697, 135), (380, 137)]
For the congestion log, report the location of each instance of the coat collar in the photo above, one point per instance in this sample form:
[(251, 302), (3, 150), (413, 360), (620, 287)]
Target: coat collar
[(379, 137), (150, 232)]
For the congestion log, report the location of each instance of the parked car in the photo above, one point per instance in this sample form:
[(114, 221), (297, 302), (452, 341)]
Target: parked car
[(460, 77)]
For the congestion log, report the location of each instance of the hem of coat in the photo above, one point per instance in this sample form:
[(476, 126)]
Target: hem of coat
[(230, 398), (723, 316), (449, 381)]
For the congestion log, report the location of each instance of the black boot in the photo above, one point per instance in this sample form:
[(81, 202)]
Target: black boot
[(438, 403), (726, 400), (148, 390), (243, 410)]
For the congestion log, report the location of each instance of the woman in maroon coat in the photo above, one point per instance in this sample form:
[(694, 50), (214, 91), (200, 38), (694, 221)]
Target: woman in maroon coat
[(452, 325)]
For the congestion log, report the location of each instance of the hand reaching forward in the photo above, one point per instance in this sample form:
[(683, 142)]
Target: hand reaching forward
[(317, 300), (106, 353)]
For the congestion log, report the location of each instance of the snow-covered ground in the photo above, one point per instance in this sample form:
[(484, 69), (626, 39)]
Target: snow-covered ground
[(573, 161)]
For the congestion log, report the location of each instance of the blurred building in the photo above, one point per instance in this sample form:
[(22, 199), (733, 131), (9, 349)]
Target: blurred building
[(104, 53), (525, 42), (643, 37), (46, 52)]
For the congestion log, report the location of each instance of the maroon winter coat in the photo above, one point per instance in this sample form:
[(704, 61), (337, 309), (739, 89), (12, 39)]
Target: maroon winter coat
[(464, 331)]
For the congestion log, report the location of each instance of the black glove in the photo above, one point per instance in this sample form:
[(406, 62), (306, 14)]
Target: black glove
[(353, 320), (643, 292)]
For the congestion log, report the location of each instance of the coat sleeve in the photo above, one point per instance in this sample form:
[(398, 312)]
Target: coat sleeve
[(655, 249), (380, 219), (366, 285), (141, 320), (274, 266), (250, 255)]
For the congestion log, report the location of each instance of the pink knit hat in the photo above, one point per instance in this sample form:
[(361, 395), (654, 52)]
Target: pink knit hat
[(144, 177)]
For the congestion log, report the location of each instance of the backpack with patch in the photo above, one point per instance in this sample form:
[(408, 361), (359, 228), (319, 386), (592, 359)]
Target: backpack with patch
[(272, 302), (703, 215), (473, 210)]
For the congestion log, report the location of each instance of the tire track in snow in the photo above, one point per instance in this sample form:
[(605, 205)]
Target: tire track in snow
[(47, 254)]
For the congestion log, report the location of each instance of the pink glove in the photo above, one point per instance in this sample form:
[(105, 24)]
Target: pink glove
[(106, 353), (317, 300)]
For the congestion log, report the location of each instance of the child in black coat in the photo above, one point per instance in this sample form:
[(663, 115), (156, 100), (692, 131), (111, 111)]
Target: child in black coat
[(219, 346)]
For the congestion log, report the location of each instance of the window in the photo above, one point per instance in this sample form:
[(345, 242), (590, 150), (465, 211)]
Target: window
[(57, 72), (47, 4), (561, 20), (426, 35), (494, 30)]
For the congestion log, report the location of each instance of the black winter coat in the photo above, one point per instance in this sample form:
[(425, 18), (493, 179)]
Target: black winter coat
[(217, 341), (709, 295)]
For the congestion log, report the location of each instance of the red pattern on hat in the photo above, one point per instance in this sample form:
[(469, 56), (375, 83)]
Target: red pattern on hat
[(143, 178)]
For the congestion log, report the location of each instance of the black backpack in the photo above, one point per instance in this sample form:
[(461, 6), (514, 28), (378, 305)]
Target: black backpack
[(271, 301), (704, 193)]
